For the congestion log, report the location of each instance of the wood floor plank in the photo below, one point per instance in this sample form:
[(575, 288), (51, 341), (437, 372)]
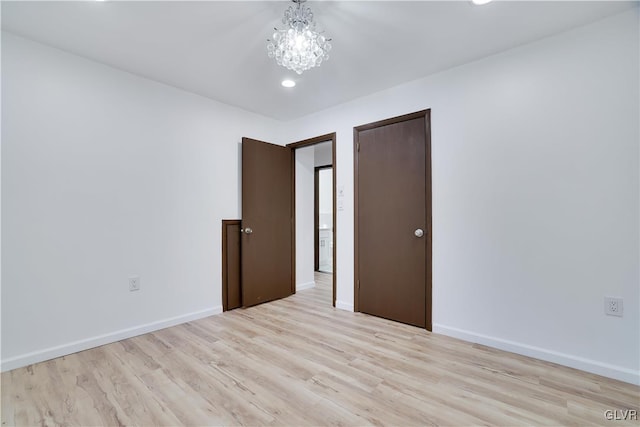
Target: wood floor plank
[(299, 361)]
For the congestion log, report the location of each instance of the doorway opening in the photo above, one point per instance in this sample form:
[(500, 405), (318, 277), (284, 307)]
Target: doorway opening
[(323, 216), (314, 177)]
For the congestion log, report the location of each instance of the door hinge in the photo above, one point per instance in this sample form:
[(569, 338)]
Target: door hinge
[(358, 284), (357, 146)]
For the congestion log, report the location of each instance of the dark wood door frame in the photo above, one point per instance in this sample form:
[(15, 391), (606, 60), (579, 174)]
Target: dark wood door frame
[(316, 216), (305, 143), (428, 231)]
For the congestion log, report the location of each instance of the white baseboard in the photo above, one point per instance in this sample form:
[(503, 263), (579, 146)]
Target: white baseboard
[(85, 344), (302, 286), (344, 306), (593, 366)]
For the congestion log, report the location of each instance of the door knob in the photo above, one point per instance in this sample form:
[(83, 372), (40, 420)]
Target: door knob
[(419, 232), (246, 230)]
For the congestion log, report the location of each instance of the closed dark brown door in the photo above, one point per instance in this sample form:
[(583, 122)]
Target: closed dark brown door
[(393, 211), (267, 212)]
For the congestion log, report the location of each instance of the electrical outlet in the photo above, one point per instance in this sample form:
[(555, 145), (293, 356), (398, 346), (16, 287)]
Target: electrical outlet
[(134, 283), (613, 306)]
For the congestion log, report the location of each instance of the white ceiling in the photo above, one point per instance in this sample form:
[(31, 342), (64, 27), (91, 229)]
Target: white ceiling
[(218, 48)]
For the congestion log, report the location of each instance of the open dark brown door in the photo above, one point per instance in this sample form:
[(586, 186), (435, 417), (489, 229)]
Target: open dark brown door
[(393, 225), (267, 214)]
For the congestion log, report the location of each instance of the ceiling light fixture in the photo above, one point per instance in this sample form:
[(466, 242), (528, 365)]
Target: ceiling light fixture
[(288, 83), (298, 46), (480, 2)]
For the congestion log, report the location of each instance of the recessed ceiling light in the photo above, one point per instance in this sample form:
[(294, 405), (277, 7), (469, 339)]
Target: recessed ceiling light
[(288, 83), (480, 2)]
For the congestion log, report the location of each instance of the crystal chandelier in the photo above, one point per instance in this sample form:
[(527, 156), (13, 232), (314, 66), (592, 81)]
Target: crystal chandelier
[(298, 46)]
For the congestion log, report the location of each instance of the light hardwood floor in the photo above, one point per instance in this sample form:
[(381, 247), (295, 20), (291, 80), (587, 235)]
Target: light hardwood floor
[(298, 361)]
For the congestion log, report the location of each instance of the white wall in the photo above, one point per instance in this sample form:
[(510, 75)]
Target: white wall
[(323, 153), (325, 220), (304, 217), (1, 175), (325, 197), (107, 175), (535, 194), (324, 157)]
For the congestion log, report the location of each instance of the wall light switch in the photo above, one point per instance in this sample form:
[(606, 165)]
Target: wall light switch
[(134, 283)]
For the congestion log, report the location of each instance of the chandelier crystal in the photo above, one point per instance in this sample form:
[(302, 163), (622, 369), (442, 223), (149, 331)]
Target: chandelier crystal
[(298, 46)]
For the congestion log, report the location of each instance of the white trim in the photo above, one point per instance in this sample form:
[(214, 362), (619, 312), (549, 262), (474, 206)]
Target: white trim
[(593, 366), (344, 306), (85, 344), (303, 286)]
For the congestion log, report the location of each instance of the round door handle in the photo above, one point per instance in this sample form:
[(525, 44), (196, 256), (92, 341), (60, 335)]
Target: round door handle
[(247, 230), (419, 232)]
